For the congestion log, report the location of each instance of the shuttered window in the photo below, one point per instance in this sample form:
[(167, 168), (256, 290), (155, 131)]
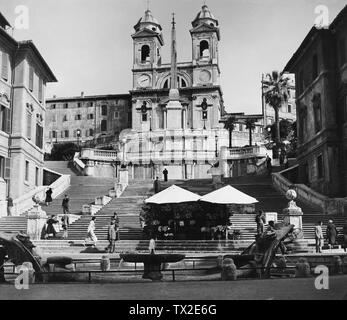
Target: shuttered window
[(31, 78), (28, 120), (40, 90), (39, 135), (7, 172), (4, 66), (5, 119)]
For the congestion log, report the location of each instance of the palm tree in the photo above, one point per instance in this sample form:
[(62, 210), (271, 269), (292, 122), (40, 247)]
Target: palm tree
[(276, 92), (250, 125), (229, 124)]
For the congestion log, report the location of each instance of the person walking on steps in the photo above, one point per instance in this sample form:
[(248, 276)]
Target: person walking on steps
[(268, 165), (111, 236), (65, 225), (318, 234), (48, 199), (65, 204), (331, 233), (260, 220), (91, 231)]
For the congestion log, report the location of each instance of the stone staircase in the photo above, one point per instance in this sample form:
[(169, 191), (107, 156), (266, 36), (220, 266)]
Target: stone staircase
[(128, 208), (62, 167), (83, 190)]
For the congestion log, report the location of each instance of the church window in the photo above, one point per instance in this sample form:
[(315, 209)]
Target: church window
[(204, 49), (144, 53)]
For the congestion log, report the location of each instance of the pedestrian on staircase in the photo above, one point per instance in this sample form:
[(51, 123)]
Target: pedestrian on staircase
[(344, 231), (111, 236), (65, 225), (268, 165), (156, 185), (165, 173), (65, 205), (91, 231), (318, 236), (331, 233), (9, 206), (48, 199), (260, 220)]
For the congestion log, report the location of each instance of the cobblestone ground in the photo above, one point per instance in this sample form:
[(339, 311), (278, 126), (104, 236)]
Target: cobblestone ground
[(272, 289)]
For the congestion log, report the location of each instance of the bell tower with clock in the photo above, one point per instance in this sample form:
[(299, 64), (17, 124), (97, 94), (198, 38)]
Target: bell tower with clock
[(205, 38), (147, 44)]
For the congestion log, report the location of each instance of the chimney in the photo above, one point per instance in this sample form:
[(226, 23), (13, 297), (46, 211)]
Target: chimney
[(82, 94)]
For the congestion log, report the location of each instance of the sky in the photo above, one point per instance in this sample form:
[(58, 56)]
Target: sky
[(88, 44)]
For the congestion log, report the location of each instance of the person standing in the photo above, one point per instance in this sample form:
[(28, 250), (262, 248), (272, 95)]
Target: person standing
[(2, 262), (116, 219), (9, 206), (151, 246), (268, 165), (51, 230), (156, 185), (260, 220), (165, 173), (48, 199), (65, 225), (65, 205), (318, 233), (344, 231), (91, 231), (111, 236), (331, 233)]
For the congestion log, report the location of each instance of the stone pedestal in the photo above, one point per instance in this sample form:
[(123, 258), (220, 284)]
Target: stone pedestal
[(123, 176), (293, 215), (270, 216), (36, 222), (89, 168), (174, 115)]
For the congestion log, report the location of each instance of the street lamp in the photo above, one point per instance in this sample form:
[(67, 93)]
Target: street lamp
[(216, 140), (124, 140), (78, 138)]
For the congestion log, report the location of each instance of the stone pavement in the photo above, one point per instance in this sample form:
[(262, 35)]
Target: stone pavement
[(271, 289)]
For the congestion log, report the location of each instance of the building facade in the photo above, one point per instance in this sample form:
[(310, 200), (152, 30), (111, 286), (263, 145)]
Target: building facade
[(320, 67), (24, 75), (176, 125), (96, 118)]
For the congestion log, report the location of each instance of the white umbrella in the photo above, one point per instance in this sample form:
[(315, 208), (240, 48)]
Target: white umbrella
[(228, 195), (173, 194)]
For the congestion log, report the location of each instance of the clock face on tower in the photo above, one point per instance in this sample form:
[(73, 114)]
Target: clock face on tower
[(205, 76), (144, 81)]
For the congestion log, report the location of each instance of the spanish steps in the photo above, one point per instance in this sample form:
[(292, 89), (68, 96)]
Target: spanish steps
[(84, 189)]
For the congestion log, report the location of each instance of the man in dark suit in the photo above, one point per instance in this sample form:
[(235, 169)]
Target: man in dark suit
[(165, 173)]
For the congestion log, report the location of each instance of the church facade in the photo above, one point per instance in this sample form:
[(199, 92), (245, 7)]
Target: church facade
[(176, 107)]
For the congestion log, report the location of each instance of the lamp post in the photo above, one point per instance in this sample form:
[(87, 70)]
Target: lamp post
[(124, 140), (78, 138), (216, 140)]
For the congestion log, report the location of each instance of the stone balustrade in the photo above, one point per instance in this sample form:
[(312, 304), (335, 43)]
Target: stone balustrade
[(306, 194), (25, 202)]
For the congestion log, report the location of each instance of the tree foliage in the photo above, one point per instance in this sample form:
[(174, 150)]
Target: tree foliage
[(63, 151)]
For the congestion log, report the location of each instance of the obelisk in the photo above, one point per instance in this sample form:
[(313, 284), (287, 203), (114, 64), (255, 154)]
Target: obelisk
[(174, 107)]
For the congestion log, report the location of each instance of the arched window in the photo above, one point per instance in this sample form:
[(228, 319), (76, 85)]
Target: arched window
[(144, 53), (183, 83), (166, 84), (204, 49)]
